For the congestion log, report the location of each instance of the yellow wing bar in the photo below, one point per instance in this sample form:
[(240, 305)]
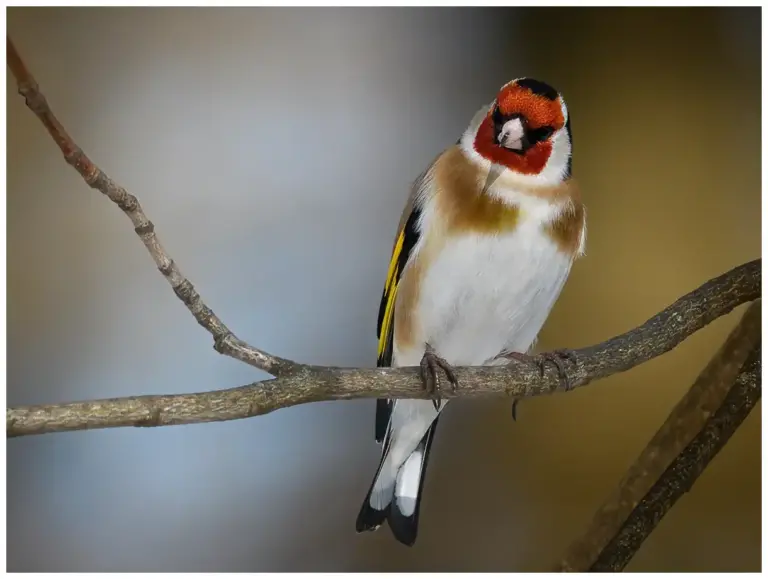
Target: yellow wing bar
[(390, 292)]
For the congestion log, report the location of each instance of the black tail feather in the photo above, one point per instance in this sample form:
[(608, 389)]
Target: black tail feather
[(370, 519), (383, 412), (384, 405)]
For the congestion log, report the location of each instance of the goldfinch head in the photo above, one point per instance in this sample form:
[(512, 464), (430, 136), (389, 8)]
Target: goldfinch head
[(526, 130)]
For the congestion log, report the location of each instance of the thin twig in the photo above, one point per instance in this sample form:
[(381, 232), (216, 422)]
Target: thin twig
[(697, 428), (658, 335), (225, 341)]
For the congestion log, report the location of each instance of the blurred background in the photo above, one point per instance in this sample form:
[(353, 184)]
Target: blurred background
[(197, 112)]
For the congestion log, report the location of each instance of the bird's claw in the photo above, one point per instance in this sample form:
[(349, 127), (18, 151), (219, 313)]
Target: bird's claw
[(556, 357), (430, 363), (514, 409)]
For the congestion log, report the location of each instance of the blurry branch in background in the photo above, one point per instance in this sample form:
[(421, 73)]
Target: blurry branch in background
[(297, 383), (697, 428)]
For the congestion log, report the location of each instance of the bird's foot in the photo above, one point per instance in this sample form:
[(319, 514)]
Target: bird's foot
[(430, 363), (556, 357)]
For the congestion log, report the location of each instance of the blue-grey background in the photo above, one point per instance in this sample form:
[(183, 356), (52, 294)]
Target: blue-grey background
[(273, 149)]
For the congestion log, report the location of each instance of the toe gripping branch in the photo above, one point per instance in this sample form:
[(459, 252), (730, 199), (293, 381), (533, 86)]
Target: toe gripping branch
[(430, 363), (556, 357)]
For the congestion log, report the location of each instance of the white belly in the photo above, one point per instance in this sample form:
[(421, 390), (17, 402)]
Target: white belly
[(485, 294), (481, 296)]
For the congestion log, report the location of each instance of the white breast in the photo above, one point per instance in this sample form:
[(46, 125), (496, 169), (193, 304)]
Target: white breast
[(484, 294)]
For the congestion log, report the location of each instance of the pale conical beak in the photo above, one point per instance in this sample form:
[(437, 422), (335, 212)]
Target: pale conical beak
[(512, 135)]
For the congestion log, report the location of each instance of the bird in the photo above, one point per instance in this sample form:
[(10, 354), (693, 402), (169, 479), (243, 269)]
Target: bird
[(483, 249)]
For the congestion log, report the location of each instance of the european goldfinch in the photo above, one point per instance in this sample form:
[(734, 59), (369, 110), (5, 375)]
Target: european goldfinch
[(484, 246)]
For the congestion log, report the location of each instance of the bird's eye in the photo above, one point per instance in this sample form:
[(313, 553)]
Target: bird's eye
[(540, 134), (545, 132)]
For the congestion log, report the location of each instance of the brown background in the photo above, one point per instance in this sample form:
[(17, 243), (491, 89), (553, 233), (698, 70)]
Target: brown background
[(273, 149)]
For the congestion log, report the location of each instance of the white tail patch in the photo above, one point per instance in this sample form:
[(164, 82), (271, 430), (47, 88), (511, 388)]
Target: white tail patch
[(407, 485)]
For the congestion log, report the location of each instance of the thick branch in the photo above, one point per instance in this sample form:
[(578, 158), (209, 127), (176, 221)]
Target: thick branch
[(658, 335), (695, 431), (225, 341)]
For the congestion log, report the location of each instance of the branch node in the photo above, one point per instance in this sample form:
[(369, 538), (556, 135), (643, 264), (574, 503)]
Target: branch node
[(221, 342), (74, 156), (99, 181), (121, 197), (185, 291), (166, 268), (32, 97), (146, 229)]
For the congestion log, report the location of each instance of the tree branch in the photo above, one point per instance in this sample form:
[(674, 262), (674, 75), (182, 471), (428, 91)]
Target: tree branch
[(697, 428), (658, 335), (224, 340)]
